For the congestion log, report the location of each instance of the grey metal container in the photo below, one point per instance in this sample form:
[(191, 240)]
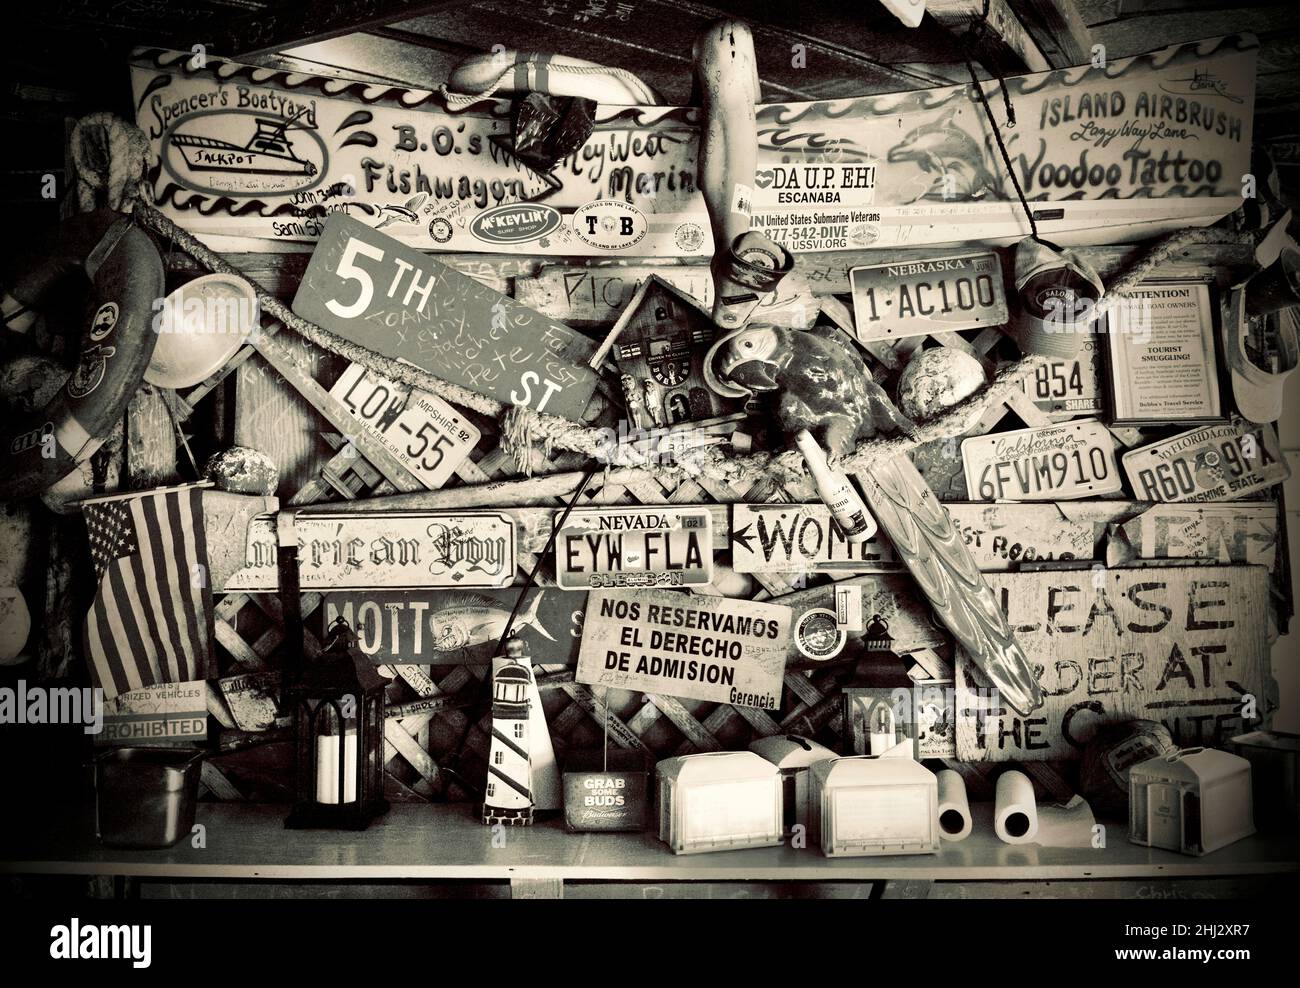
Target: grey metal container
[(144, 797)]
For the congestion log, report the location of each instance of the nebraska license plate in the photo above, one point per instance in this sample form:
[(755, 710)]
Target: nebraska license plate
[(623, 548), (1212, 463), (916, 298), (1053, 463)]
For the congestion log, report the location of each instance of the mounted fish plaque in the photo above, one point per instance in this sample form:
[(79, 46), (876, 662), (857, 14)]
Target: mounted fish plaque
[(1216, 463), (1054, 463), (392, 549), (699, 647), (374, 291), (936, 295), (616, 548), (454, 626)]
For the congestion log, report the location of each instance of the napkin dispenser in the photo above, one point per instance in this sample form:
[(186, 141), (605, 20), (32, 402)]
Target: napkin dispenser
[(793, 756), (718, 801), (870, 806), (1193, 801)]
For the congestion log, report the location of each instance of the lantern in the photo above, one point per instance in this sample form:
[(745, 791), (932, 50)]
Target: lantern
[(338, 724)]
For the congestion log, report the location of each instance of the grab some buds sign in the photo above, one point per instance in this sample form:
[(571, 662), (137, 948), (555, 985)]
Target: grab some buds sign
[(700, 647), (1185, 645), (392, 550)]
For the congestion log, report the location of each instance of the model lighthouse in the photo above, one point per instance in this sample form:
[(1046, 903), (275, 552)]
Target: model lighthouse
[(509, 795)]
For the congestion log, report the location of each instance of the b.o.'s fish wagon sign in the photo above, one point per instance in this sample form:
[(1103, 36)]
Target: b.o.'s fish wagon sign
[(392, 550), (694, 646), (1151, 143), (368, 288), (455, 627), (612, 548), (1183, 645)]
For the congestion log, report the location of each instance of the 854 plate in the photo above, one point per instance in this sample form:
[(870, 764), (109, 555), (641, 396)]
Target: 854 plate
[(1053, 463)]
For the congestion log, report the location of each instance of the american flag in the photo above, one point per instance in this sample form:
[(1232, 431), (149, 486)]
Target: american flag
[(151, 621)]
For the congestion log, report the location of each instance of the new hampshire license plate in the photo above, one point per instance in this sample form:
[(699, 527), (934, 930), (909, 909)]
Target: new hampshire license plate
[(1055, 463)]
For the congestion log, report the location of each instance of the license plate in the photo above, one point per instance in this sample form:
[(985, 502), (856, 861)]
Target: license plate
[(428, 436), (1054, 463), (938, 295), (1213, 463), (623, 548), (1068, 389)]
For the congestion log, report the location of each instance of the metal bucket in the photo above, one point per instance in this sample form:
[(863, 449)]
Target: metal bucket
[(144, 797)]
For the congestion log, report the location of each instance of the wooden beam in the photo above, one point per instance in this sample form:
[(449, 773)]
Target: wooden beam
[(1060, 31), (304, 21)]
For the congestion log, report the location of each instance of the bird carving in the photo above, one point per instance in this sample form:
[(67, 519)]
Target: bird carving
[(817, 381)]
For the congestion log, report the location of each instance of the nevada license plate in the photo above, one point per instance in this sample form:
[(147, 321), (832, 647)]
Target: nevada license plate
[(1053, 463), (1213, 463), (623, 548), (916, 298)]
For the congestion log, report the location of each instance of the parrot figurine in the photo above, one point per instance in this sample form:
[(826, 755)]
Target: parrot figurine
[(819, 383)]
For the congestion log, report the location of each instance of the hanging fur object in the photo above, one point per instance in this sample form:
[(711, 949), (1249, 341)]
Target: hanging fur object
[(110, 158)]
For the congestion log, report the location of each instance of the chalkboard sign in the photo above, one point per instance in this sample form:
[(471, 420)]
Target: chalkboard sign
[(368, 288)]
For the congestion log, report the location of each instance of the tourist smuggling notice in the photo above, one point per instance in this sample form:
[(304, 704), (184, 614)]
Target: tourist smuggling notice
[(698, 647)]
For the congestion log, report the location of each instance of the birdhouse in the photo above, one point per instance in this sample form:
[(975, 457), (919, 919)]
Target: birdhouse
[(338, 724), (1194, 801), (718, 801), (659, 344), (793, 756), (868, 806)]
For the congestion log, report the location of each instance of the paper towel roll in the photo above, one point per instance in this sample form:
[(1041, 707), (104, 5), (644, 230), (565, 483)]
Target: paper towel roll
[(954, 810), (1015, 815)]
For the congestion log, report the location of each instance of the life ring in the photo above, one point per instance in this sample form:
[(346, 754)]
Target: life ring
[(126, 275), (517, 72)]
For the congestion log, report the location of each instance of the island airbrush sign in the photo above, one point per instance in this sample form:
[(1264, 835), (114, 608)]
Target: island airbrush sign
[(1161, 139), (391, 549)]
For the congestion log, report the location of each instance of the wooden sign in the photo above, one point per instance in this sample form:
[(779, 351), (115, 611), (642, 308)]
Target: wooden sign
[(1053, 463), (694, 646), (1068, 389), (1182, 645), (391, 549), (253, 700), (1214, 463), (596, 296), (428, 436), (916, 298), (168, 713), (617, 548), (793, 538), (454, 627), (374, 291), (271, 153), (1161, 355)]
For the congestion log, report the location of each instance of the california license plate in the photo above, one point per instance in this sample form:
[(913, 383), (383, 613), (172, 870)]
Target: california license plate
[(624, 548), (1053, 463), (1212, 463), (428, 436), (915, 298)]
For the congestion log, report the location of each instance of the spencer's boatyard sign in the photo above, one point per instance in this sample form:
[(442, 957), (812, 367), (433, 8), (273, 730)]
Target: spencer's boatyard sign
[(390, 550), (694, 646), (1184, 645), (1153, 142)]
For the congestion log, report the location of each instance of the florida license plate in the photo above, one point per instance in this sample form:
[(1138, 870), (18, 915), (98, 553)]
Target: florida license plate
[(937, 295), (1053, 463), (626, 548), (1212, 463)]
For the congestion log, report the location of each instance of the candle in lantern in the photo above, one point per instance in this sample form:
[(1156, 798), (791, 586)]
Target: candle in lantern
[(327, 768)]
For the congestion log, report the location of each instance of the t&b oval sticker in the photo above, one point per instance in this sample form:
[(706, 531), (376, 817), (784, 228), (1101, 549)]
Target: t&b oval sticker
[(609, 224), (515, 223)]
